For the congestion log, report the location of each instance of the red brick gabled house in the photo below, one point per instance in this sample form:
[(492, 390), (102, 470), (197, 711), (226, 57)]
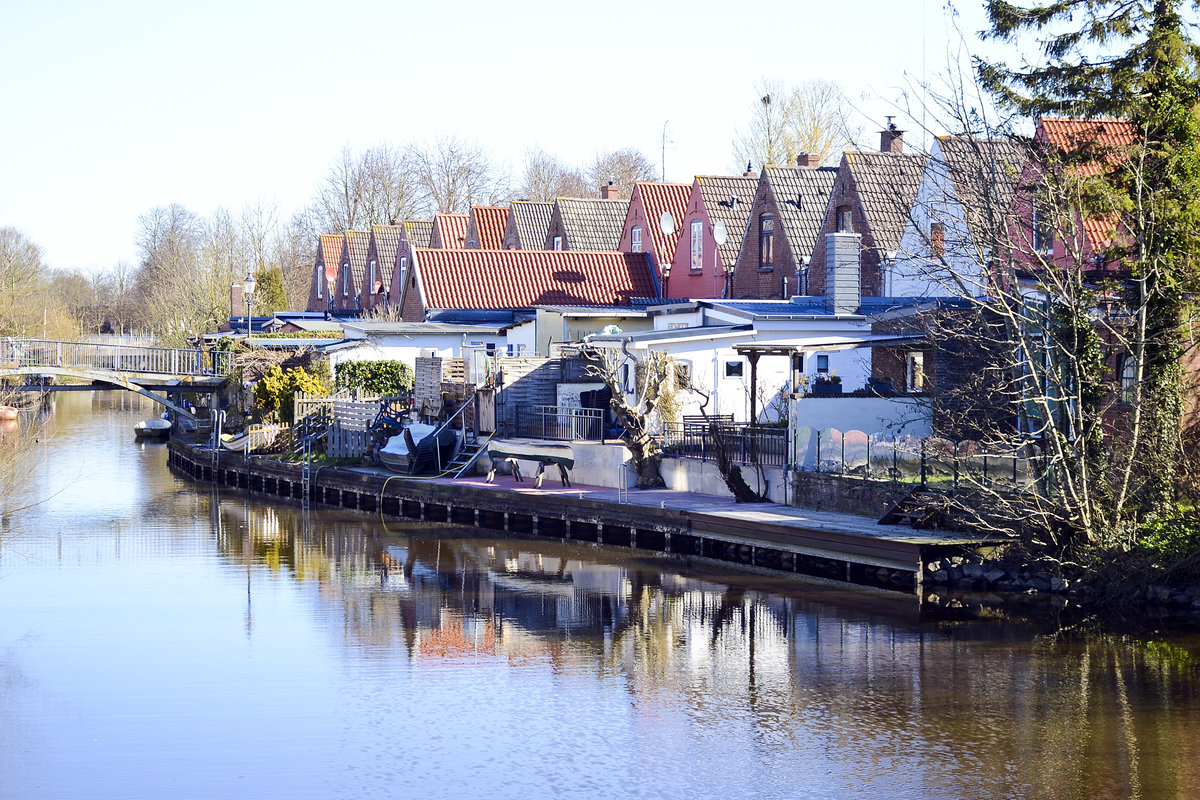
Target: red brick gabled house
[(381, 260), (485, 227), (713, 199), (352, 271), (789, 205), (413, 234), (527, 225), (643, 231), (325, 269), (873, 196), (522, 279), (586, 224), (449, 232)]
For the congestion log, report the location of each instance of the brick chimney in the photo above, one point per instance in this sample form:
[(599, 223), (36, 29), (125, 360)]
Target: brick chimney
[(842, 287), (807, 160), (237, 306), (609, 191), (891, 140), (749, 173)]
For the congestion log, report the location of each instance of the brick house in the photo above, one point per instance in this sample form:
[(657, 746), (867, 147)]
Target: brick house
[(643, 229), (352, 271), (789, 205), (413, 234), (381, 260), (586, 224), (527, 225), (713, 199), (449, 231), (521, 279), (485, 227), (873, 196), (325, 270)]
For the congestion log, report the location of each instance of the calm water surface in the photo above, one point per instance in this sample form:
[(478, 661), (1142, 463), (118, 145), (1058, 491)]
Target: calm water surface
[(160, 640)]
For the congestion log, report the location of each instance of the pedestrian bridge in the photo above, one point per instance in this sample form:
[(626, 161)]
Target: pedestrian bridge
[(154, 372)]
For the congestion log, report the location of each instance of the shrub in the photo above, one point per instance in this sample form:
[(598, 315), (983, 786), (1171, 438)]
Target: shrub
[(378, 377), (276, 389)]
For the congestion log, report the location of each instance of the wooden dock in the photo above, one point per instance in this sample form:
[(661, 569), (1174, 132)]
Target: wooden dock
[(827, 545)]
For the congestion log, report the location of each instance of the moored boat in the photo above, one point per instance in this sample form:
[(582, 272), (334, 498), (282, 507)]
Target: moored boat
[(152, 429)]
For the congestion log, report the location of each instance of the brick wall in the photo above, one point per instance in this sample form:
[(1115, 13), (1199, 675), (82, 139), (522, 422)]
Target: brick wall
[(749, 280), (845, 196)]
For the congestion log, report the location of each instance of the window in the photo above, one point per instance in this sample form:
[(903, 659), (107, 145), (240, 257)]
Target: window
[(558, 242), (320, 288), (1043, 230), (916, 372), (845, 220), (683, 374), (636, 238), (733, 369), (371, 279), (937, 239), (1127, 375), (766, 241), (822, 363), (697, 245), (677, 326), (345, 280)]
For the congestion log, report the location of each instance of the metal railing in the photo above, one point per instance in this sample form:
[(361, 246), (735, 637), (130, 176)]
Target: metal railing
[(744, 444), (17, 353), (559, 423)]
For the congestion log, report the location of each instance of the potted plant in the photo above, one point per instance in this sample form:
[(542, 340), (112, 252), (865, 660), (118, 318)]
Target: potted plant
[(828, 384)]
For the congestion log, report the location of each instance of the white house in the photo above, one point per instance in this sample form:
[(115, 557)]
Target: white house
[(406, 341)]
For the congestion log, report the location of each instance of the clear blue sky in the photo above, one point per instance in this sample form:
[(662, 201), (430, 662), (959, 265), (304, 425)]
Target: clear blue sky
[(113, 108)]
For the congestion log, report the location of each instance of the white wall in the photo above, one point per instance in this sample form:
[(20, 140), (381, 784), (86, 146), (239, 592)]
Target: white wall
[(889, 415), (406, 348)]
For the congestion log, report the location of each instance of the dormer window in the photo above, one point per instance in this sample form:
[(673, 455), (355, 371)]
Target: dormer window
[(697, 245), (766, 241), (845, 220), (558, 242), (635, 237)]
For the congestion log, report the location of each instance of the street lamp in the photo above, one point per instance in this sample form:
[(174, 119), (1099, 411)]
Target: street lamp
[(248, 286)]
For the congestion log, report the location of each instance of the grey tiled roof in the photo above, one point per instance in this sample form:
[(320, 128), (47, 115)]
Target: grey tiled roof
[(801, 194), (420, 232), (358, 244), (592, 224), (532, 221), (387, 242), (985, 173), (887, 187), (716, 190)]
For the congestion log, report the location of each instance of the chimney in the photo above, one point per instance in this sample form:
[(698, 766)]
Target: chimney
[(609, 192), (749, 173), (807, 160), (842, 290), (891, 138), (237, 307)]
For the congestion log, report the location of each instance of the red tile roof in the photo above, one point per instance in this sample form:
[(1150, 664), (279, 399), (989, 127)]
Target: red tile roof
[(449, 231), (487, 226), (525, 278), (657, 198), (1068, 134), (330, 245)]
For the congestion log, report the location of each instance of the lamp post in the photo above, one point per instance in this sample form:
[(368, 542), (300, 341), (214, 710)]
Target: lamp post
[(248, 286)]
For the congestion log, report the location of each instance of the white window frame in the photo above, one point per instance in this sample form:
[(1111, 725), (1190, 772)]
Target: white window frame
[(345, 280), (320, 285), (371, 281), (635, 238), (697, 245), (558, 243), (915, 372)]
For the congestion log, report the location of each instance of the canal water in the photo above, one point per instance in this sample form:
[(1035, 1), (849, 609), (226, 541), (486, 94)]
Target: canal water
[(160, 639)]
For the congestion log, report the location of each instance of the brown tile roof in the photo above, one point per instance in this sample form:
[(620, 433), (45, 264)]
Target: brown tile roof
[(330, 251), (887, 186), (418, 231), (449, 231), (717, 191), (591, 224), (801, 194), (532, 221), (658, 198), (385, 241), (984, 174), (485, 231), (492, 279)]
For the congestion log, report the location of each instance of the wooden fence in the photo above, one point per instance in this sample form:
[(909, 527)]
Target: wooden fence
[(350, 418)]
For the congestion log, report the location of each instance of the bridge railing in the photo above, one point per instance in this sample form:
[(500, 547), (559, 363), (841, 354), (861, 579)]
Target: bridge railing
[(117, 357)]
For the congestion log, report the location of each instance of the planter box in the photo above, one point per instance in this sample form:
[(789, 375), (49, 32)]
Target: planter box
[(827, 389)]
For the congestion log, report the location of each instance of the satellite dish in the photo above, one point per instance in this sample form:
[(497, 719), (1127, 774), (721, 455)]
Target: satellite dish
[(666, 223), (720, 233)]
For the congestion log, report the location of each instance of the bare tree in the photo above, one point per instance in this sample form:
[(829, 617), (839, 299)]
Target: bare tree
[(651, 379), (455, 174), (546, 179), (20, 273), (374, 187), (813, 117), (624, 168)]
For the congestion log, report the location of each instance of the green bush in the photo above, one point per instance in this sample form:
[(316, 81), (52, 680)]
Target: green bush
[(1172, 539), (274, 392), (378, 377)]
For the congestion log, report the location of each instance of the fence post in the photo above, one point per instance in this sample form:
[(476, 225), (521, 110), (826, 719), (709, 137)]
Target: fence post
[(956, 465), (818, 451), (843, 472), (868, 456), (922, 463), (985, 475), (895, 463)]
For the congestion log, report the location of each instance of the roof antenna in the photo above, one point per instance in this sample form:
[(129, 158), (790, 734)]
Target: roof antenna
[(891, 126)]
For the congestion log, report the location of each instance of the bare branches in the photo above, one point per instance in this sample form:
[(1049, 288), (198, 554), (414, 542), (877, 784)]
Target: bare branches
[(813, 117)]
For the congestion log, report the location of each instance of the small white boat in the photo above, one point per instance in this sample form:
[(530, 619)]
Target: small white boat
[(152, 429), (394, 455), (537, 450)]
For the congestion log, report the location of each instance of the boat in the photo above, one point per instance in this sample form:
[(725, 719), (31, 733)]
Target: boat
[(255, 436), (235, 441), (532, 450), (419, 448), (152, 429), (395, 454), (8, 412)]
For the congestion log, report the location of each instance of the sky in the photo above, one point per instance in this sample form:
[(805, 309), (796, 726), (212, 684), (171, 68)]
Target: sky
[(115, 108)]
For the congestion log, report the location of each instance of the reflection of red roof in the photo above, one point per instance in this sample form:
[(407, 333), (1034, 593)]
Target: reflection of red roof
[(452, 641), (525, 278), (487, 226), (449, 231), (331, 253), (657, 198), (1068, 134)]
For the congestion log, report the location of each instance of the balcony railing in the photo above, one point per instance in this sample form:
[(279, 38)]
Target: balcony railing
[(744, 444), (558, 423)]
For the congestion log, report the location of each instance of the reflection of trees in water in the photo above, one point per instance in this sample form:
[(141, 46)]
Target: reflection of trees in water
[(981, 706)]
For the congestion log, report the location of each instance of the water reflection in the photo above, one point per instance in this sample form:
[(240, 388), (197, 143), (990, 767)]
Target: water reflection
[(163, 639)]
